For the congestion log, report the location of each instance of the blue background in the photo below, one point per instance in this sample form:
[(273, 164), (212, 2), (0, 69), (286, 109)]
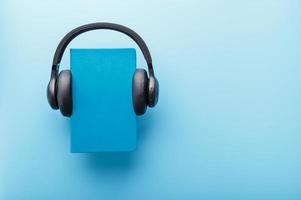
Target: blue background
[(227, 125)]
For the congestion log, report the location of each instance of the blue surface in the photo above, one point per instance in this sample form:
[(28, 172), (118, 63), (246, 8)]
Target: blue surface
[(103, 118), (228, 121)]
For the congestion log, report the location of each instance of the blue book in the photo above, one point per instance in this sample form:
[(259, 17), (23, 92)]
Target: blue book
[(103, 118)]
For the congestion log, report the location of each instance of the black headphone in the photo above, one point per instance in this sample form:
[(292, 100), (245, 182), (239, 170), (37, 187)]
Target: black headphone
[(145, 89)]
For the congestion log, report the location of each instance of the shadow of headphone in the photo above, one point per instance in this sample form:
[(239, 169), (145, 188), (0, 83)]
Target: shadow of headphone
[(145, 86)]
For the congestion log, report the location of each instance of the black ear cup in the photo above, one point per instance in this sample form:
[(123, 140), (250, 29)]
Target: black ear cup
[(153, 91), (51, 94), (64, 93), (139, 91)]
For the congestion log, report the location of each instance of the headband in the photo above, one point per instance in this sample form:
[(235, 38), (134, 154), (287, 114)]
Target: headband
[(100, 25)]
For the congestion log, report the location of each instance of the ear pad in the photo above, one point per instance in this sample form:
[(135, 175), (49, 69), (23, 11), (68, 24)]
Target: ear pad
[(51, 94), (153, 91), (64, 93), (139, 91)]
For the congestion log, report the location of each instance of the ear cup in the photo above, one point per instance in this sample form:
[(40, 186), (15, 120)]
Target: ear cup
[(153, 91), (139, 91), (64, 93), (51, 94)]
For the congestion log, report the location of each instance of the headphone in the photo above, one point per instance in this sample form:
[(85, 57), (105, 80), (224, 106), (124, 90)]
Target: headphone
[(145, 87)]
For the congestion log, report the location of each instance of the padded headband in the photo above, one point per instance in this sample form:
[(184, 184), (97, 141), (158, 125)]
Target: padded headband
[(101, 25)]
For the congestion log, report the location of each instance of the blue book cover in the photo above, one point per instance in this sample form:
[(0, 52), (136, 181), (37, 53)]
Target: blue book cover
[(103, 118)]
